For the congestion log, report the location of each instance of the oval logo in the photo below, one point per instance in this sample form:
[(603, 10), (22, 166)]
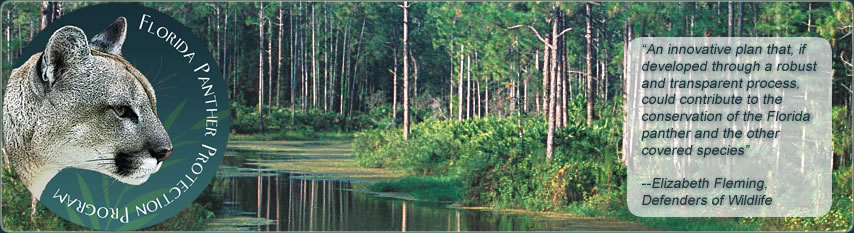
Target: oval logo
[(128, 113)]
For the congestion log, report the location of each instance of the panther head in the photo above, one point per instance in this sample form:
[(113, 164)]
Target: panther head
[(94, 110)]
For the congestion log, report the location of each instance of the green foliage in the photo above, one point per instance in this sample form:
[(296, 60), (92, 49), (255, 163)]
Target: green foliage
[(837, 219), (16, 209), (444, 189), (841, 136), (279, 120), (501, 161), (280, 124)]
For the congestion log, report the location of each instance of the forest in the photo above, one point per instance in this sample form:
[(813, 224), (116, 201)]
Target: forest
[(518, 103)]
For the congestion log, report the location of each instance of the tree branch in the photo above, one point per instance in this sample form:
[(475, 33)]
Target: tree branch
[(846, 88), (535, 32), (564, 31), (846, 35), (847, 63)]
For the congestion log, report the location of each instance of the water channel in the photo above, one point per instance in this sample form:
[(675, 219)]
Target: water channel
[(259, 198)]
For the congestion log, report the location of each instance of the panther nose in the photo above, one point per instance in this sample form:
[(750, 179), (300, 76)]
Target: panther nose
[(161, 153)]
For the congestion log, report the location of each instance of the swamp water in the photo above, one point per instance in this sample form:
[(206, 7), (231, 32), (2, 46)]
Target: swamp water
[(257, 197)]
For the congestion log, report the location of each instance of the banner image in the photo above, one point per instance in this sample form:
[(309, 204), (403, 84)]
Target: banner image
[(426, 116)]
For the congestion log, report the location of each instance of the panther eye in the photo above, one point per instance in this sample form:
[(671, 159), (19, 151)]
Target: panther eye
[(122, 111)]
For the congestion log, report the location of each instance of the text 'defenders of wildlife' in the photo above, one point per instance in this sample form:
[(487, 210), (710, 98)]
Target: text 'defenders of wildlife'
[(728, 127)]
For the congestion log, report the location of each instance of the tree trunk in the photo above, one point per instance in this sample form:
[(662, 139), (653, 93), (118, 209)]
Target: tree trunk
[(394, 92), (514, 92), (20, 38), (563, 111), (740, 18), (486, 97), (333, 74), (279, 57), (558, 75), (545, 71), (525, 95), (306, 63), (451, 84), (218, 34), (299, 57), (460, 86), (729, 20), (605, 59), (261, 66), (224, 61), (343, 75), (43, 8), (468, 88), (537, 67), (353, 95), (559, 89), (588, 59), (8, 37), (599, 63), (236, 58), (292, 61), (405, 7), (552, 87), (566, 85), (626, 63), (50, 12), (269, 63), (326, 30), (313, 62), (414, 75), (478, 101)]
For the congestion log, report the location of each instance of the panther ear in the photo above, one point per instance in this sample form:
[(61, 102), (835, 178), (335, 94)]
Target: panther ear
[(65, 48), (112, 38)]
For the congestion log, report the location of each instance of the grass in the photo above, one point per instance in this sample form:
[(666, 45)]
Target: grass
[(441, 189)]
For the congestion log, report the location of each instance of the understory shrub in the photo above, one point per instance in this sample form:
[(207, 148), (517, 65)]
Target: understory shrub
[(501, 161), (245, 120)]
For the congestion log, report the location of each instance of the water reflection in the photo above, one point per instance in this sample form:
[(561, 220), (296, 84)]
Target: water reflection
[(260, 199), (294, 203)]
